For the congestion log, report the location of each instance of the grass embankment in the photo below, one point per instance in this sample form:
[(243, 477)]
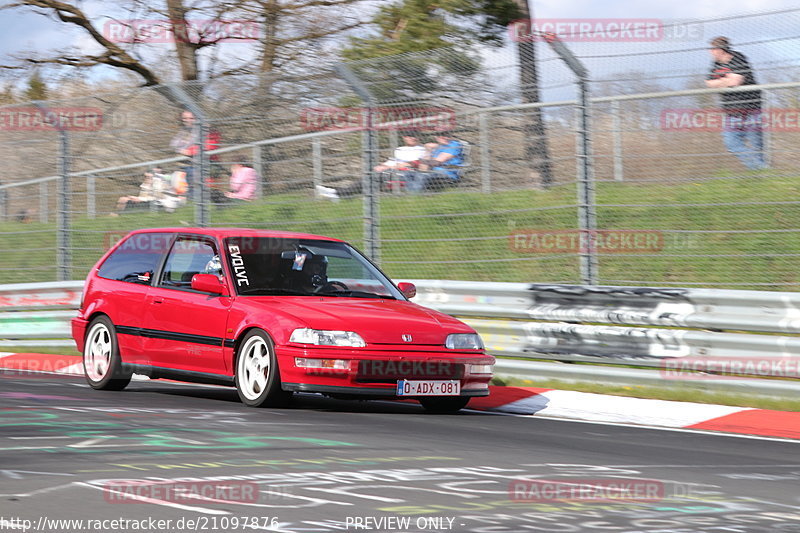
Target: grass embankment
[(465, 235)]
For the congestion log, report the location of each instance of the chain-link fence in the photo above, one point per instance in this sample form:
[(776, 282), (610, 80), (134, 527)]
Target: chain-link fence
[(660, 201)]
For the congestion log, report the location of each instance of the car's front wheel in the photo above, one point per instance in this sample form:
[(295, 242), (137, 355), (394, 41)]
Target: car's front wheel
[(450, 404), (258, 378), (102, 364)]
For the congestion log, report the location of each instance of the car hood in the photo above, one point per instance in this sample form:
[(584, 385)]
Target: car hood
[(377, 321)]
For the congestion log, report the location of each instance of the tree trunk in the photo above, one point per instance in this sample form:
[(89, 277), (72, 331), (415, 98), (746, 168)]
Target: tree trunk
[(537, 152), (185, 50)]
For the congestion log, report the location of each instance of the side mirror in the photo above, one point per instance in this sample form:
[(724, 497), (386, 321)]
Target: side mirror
[(209, 283), (409, 290)]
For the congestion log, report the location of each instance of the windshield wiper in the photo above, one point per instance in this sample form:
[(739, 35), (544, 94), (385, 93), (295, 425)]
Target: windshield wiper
[(268, 291), (356, 294)]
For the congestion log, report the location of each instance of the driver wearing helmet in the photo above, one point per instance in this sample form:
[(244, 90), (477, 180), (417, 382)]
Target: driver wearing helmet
[(214, 266), (307, 272)]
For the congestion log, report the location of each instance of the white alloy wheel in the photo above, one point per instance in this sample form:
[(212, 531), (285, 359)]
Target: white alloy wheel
[(254, 367), (102, 363), (257, 379), (97, 352)]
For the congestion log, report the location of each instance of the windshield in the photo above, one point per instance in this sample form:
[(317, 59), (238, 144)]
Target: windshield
[(266, 266)]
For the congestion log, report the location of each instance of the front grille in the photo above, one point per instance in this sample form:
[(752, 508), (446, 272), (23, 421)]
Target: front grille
[(389, 371)]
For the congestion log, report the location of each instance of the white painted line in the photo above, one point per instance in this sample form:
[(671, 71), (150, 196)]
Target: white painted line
[(154, 501)]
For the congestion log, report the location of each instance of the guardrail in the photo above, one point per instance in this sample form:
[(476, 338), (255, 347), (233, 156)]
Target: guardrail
[(712, 329), (38, 313), (690, 329)]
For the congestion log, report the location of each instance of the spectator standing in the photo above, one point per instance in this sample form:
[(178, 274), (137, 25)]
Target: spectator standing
[(187, 142), (742, 131)]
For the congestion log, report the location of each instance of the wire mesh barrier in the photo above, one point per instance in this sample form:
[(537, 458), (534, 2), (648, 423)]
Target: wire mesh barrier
[(446, 164)]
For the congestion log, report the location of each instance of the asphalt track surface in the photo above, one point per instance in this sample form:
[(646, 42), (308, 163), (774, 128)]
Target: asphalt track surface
[(164, 456)]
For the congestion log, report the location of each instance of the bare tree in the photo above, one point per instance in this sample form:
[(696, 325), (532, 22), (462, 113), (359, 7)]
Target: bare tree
[(291, 30), (536, 147)]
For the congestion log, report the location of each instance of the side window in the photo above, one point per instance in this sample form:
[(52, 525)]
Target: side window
[(136, 259), (190, 256), (345, 268)]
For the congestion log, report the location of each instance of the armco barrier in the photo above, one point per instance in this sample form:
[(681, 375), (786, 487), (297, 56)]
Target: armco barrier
[(542, 321), (38, 313), (720, 329)]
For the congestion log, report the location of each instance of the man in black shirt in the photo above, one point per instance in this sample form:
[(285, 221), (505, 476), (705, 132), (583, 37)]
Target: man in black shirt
[(743, 130)]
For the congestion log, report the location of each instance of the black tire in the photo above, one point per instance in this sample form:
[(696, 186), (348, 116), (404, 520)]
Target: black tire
[(447, 404), (102, 364), (257, 377)]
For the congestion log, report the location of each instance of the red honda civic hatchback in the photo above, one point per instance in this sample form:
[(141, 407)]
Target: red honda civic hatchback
[(270, 313)]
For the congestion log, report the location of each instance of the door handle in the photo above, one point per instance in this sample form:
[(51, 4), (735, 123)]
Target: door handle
[(158, 301)]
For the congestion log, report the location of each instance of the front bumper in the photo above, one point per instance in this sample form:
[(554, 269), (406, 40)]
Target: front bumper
[(373, 372)]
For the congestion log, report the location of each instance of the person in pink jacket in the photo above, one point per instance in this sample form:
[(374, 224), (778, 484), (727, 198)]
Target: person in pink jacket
[(243, 183)]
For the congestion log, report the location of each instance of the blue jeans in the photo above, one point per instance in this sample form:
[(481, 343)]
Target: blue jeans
[(743, 137), (422, 181)]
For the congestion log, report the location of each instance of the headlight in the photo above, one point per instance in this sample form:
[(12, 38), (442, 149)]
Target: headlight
[(481, 369), (464, 341), (327, 338)]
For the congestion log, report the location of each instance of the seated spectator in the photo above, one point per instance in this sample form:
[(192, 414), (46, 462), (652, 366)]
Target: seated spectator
[(405, 157), (440, 169), (26, 215), (150, 190), (243, 184), (175, 195)]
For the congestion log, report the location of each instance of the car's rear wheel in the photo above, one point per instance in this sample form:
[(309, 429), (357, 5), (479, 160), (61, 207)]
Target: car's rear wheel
[(449, 404), (102, 364), (258, 378)]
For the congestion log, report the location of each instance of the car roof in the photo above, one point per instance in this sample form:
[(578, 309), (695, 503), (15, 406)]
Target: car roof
[(238, 232)]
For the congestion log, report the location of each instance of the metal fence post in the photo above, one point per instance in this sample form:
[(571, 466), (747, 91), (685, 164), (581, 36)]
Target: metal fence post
[(3, 204), (486, 155), (370, 160), (767, 135), (63, 255), (44, 202), (394, 140), (587, 217), (316, 161), (258, 166), (200, 162), (616, 131), (90, 196)]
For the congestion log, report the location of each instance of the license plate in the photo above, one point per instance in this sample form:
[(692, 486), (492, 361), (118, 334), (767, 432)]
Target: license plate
[(407, 387)]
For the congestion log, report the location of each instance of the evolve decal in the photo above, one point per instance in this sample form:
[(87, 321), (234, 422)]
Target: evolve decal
[(238, 265)]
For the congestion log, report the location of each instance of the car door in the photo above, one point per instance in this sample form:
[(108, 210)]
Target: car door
[(130, 268), (184, 329)]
